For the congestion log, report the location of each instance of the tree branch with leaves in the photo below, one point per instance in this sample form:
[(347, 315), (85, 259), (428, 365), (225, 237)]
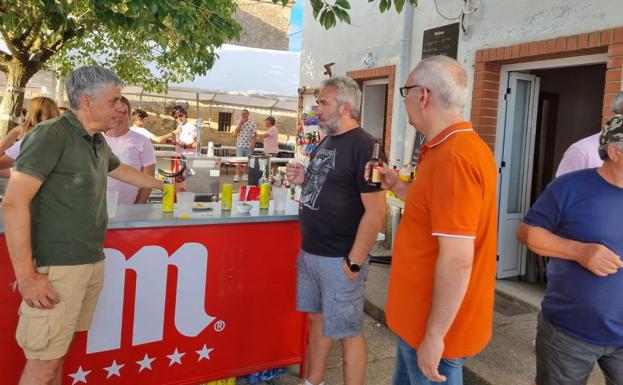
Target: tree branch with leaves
[(147, 42)]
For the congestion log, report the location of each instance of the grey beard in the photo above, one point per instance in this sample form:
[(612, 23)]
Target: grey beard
[(331, 126)]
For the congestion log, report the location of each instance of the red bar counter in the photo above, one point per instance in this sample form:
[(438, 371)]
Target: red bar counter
[(185, 301)]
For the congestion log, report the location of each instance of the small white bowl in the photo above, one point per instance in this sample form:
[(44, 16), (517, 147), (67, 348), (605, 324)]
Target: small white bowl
[(244, 207)]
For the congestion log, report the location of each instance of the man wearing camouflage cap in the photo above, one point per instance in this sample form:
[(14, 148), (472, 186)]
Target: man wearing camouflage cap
[(578, 222)]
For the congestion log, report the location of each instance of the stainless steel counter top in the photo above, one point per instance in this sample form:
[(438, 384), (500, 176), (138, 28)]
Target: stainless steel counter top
[(151, 215)]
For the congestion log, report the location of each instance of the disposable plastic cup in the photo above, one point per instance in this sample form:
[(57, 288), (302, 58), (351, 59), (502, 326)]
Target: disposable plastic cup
[(280, 196), (184, 205), (111, 203)]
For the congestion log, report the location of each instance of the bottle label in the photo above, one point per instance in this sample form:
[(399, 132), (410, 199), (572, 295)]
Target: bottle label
[(376, 175)]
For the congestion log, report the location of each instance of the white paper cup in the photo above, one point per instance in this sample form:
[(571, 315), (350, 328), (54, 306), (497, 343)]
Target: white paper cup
[(184, 205), (111, 203), (280, 196)]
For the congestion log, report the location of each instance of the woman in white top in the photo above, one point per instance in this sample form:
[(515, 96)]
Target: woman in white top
[(40, 109), (186, 140)]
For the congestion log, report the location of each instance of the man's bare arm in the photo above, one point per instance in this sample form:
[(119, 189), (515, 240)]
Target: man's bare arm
[(34, 288), (144, 193), (371, 222), (594, 257), (130, 175), (452, 274)]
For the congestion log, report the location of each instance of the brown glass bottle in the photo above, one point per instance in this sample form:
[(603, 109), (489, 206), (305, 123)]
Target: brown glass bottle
[(374, 174)]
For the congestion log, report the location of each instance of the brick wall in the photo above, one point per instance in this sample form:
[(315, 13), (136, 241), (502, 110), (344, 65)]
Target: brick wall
[(486, 89)]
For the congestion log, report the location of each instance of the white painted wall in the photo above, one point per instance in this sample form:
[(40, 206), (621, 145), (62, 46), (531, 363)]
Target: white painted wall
[(348, 45), (498, 23), (502, 23)]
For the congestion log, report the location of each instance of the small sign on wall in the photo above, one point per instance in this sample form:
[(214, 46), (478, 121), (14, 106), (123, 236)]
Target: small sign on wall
[(441, 41), (437, 41)]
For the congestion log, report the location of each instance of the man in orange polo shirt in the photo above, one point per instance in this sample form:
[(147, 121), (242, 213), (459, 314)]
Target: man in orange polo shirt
[(441, 287)]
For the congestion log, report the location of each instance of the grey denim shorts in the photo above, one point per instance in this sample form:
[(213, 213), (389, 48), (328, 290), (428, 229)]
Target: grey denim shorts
[(565, 360), (322, 287)]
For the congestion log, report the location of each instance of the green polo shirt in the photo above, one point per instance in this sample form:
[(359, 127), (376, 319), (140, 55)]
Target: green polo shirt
[(68, 213)]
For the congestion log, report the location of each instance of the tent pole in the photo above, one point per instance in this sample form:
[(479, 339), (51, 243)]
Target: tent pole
[(197, 99)]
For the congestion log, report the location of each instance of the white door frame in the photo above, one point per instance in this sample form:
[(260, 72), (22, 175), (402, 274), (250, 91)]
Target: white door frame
[(507, 221), (501, 119), (534, 65), (375, 82)]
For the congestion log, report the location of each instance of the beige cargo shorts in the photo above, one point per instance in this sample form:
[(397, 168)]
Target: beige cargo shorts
[(45, 334)]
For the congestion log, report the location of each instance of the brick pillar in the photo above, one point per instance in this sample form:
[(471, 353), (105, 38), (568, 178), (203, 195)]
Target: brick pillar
[(614, 71), (485, 98)]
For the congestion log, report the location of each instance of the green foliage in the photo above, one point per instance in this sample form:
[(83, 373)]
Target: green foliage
[(148, 42), (176, 38), (327, 14)]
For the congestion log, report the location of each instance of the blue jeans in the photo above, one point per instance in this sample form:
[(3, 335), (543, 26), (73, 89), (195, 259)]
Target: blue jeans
[(408, 373)]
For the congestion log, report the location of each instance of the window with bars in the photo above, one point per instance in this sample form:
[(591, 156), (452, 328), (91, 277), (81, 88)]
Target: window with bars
[(224, 121)]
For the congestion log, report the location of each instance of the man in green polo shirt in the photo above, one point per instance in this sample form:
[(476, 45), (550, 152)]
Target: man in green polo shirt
[(55, 220)]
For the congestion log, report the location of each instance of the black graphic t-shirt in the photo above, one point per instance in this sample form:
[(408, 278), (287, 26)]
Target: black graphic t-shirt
[(331, 206)]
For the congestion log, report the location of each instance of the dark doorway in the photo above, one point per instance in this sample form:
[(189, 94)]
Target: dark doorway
[(570, 108)]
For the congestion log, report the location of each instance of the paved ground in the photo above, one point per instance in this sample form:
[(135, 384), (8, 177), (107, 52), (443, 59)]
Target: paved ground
[(381, 359), (508, 359)]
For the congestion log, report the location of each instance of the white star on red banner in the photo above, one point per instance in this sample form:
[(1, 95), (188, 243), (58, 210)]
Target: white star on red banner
[(145, 363), (113, 369), (176, 357), (80, 376), (204, 353)]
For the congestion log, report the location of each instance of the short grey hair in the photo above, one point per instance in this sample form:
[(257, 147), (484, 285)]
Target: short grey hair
[(445, 78), (346, 91), (617, 103), (603, 149), (89, 80)]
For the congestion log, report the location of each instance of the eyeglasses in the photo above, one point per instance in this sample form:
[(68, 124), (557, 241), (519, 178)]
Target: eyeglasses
[(404, 91)]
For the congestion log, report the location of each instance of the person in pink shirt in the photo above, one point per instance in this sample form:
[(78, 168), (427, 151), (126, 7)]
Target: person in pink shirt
[(271, 137), (580, 155), (133, 149), (583, 153)]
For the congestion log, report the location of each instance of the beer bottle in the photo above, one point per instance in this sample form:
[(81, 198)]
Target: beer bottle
[(374, 175)]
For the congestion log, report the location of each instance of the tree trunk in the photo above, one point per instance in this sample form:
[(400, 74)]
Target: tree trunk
[(11, 107)]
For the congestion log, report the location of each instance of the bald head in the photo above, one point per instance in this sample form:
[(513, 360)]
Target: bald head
[(446, 80)]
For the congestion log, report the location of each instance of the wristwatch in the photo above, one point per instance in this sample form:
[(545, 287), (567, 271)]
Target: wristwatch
[(352, 266)]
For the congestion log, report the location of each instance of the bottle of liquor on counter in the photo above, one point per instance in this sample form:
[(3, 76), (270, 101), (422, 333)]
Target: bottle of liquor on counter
[(374, 176)]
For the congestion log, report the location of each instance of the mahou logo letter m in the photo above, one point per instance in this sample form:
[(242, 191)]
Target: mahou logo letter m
[(150, 264)]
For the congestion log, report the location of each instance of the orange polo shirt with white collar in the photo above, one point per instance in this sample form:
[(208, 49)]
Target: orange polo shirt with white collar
[(453, 195)]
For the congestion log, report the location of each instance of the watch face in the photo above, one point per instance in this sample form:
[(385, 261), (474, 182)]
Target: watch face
[(355, 268)]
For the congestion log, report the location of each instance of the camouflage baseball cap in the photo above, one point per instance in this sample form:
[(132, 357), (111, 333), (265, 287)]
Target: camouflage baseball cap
[(612, 132)]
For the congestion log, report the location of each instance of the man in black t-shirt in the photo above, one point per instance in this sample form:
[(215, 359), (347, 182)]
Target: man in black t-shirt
[(340, 217)]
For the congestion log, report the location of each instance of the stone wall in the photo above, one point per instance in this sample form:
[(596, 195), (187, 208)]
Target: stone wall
[(264, 24)]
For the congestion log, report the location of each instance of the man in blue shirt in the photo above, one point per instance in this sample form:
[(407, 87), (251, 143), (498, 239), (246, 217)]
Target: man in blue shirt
[(578, 222)]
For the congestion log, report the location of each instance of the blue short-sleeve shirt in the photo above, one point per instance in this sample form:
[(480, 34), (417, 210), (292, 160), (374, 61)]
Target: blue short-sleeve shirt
[(584, 207)]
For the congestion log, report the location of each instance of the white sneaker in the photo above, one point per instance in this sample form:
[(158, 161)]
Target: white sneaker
[(245, 177), (236, 178)]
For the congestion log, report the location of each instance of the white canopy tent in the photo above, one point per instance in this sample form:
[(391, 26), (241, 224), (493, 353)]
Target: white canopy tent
[(243, 76)]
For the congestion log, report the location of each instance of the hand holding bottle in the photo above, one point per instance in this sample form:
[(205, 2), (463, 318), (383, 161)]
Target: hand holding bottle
[(388, 176)]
